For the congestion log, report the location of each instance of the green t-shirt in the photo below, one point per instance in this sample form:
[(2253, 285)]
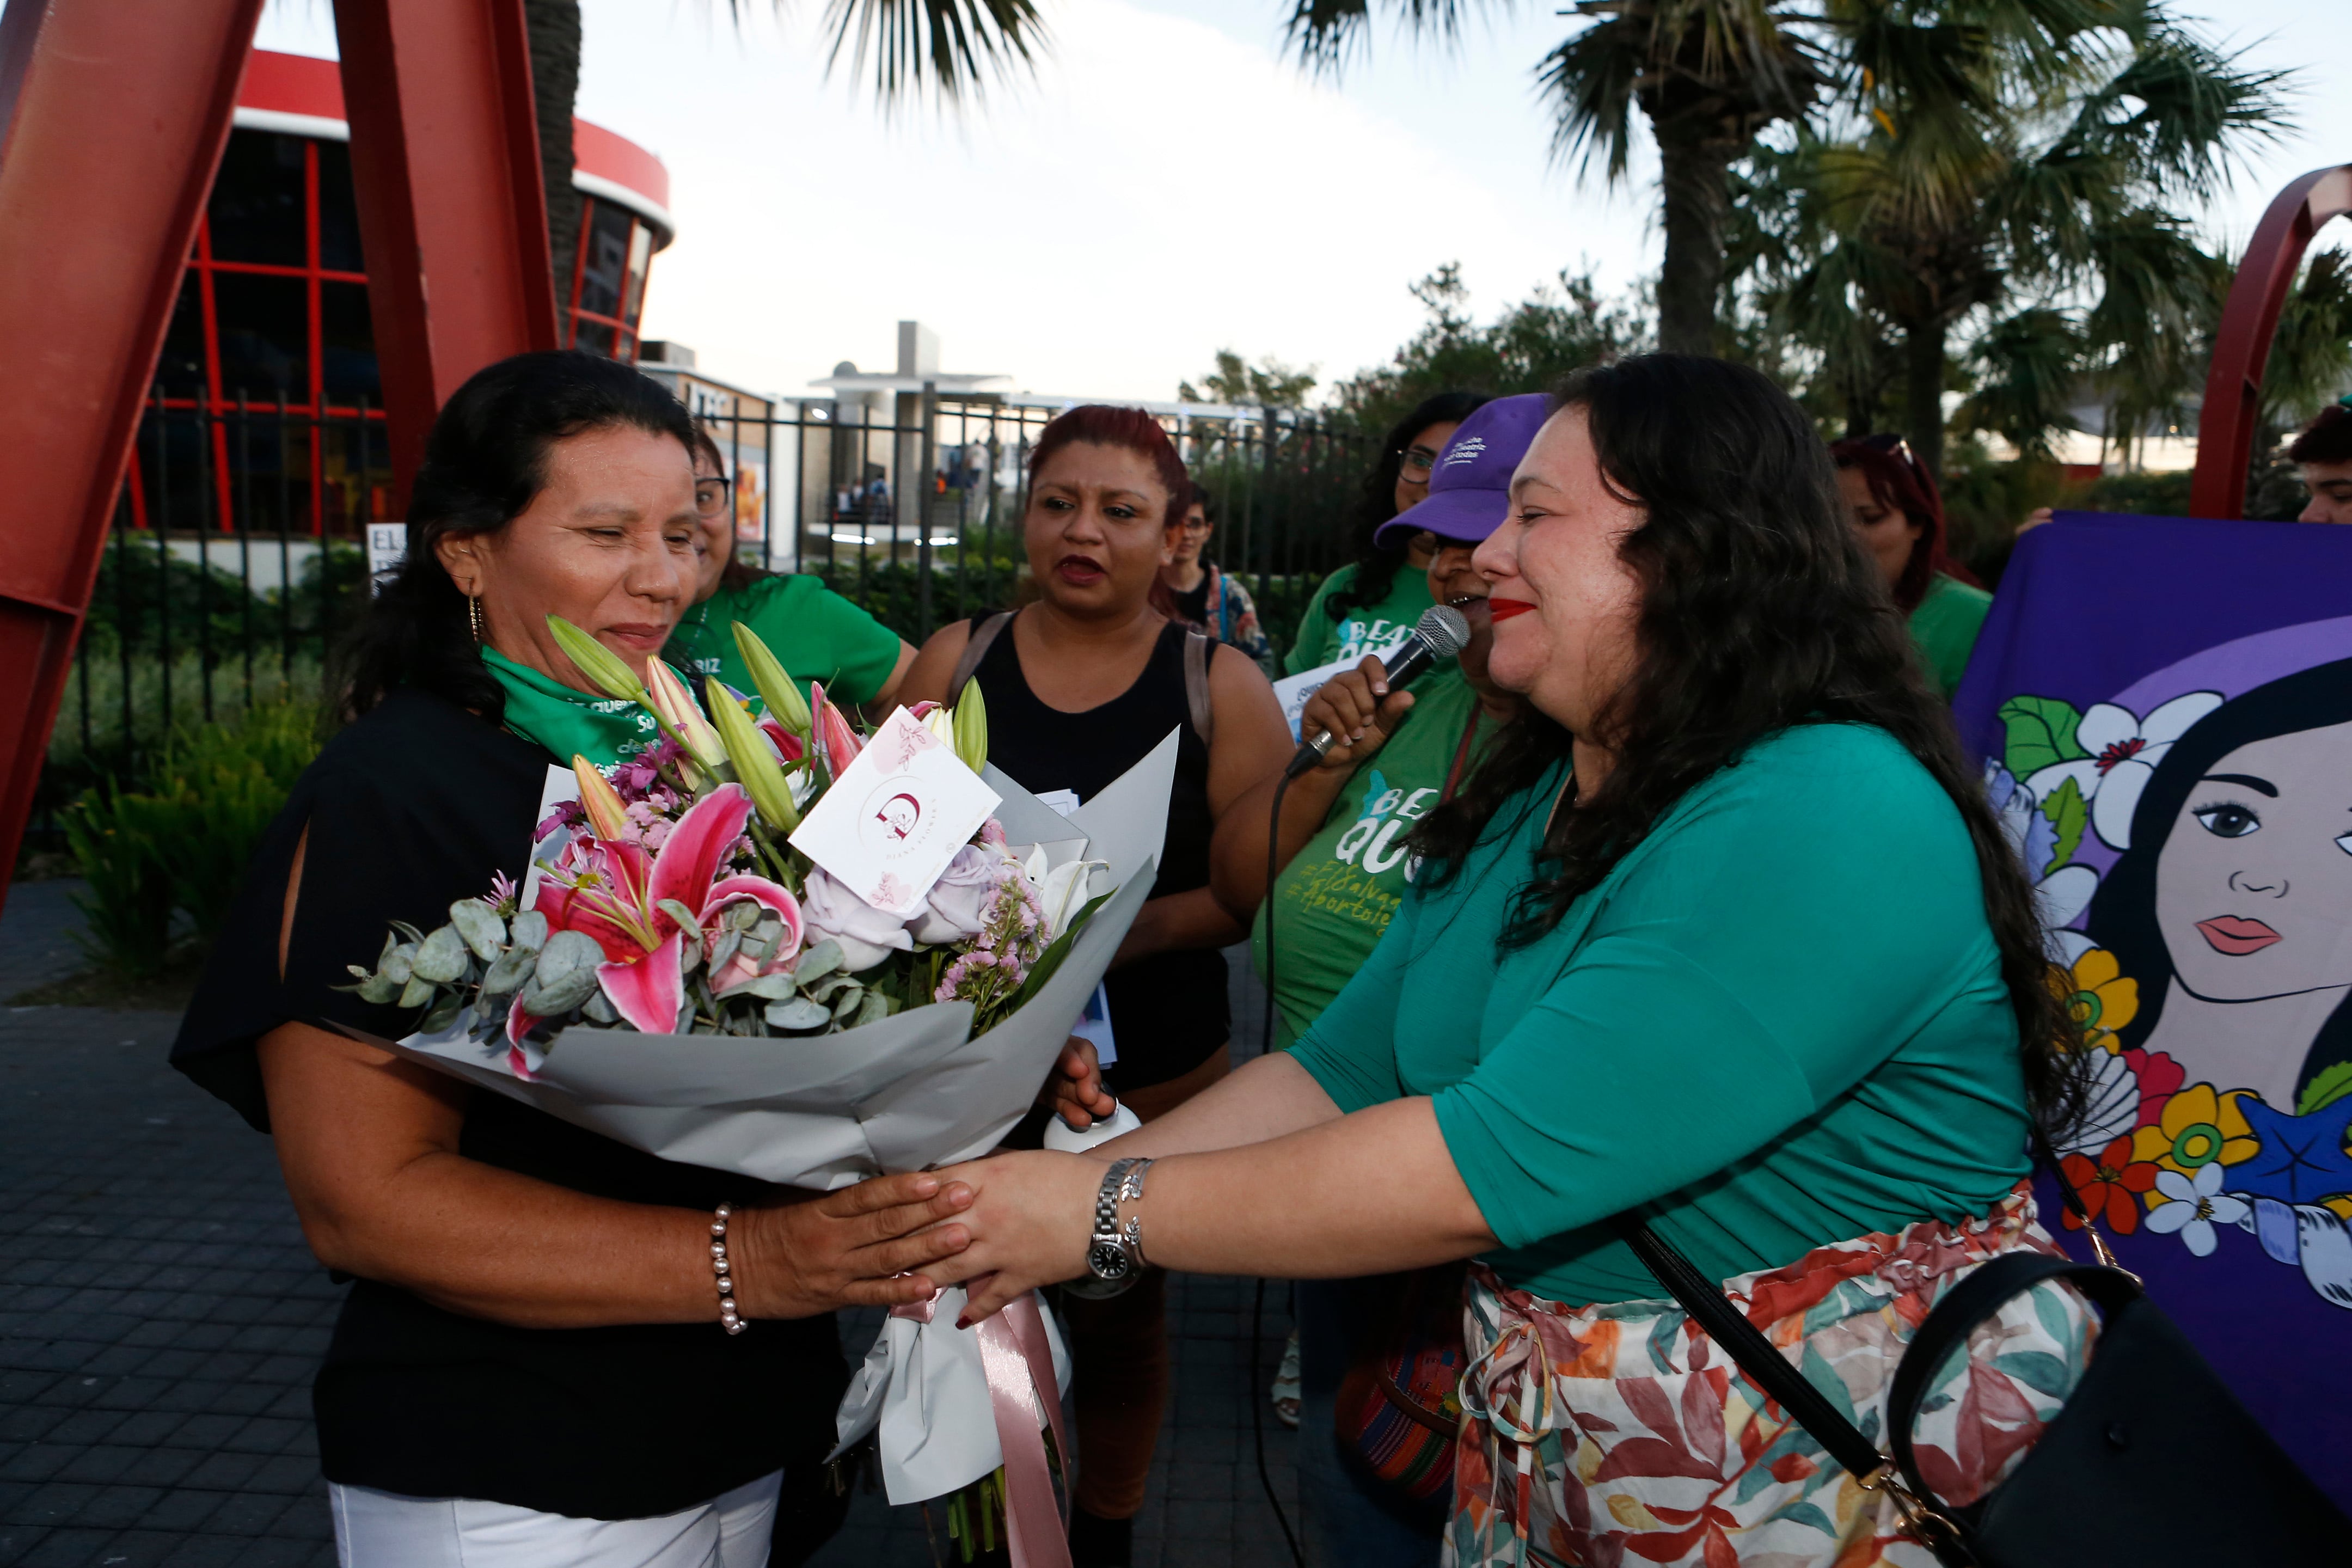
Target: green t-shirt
[(1365, 628), (1945, 628), (1336, 896), (1779, 1020), (814, 631)]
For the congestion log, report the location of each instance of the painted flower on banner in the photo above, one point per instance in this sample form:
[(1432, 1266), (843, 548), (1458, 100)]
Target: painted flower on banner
[(2123, 753), (2198, 1127), (2193, 1205), (2110, 1185)]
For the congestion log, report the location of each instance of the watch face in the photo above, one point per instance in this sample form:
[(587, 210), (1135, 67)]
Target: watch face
[(1106, 1260)]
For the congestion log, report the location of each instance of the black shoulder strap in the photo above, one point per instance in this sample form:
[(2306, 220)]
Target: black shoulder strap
[(975, 648), (1745, 1344)]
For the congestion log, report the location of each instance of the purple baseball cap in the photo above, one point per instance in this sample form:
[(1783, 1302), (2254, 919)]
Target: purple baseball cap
[(1469, 491)]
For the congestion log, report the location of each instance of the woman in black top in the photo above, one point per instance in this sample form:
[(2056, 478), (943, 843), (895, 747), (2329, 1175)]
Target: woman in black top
[(532, 1341), (1081, 685)]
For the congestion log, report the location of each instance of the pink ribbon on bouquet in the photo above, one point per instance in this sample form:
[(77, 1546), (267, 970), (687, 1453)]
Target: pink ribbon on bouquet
[(1021, 1390)]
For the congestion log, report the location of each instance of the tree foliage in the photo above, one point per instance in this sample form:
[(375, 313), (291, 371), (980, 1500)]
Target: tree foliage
[(1529, 347), (1272, 384)]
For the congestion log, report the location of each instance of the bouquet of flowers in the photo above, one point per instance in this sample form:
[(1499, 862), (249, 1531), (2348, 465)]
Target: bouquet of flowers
[(710, 959), (669, 897)]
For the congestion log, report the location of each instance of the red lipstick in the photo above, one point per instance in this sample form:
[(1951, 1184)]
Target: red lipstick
[(2236, 936), (1501, 609)]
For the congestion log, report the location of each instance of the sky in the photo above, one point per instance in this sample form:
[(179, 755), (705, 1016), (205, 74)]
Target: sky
[(1165, 183)]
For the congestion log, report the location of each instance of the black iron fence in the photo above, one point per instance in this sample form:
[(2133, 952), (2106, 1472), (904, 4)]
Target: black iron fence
[(240, 546)]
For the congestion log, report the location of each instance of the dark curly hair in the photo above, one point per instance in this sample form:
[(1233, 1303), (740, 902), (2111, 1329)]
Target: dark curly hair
[(485, 462), (1377, 565), (1760, 612)]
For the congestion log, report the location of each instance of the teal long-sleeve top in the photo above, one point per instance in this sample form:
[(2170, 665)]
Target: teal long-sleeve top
[(1778, 1022)]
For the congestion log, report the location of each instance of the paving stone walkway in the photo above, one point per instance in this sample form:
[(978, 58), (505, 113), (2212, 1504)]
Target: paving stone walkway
[(160, 1320)]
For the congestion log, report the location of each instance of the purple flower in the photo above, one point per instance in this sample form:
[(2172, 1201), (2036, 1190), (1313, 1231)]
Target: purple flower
[(867, 935), (958, 902)]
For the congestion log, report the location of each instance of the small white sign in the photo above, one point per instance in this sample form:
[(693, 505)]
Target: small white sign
[(1292, 691), (387, 547), (896, 816)]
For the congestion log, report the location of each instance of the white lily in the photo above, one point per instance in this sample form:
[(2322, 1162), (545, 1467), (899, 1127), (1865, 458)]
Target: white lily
[(941, 722), (2125, 750)]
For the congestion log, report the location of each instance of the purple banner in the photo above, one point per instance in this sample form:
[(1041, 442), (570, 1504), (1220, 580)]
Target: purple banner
[(2164, 710)]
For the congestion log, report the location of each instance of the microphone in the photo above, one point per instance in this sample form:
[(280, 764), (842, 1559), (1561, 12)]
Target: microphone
[(1443, 632)]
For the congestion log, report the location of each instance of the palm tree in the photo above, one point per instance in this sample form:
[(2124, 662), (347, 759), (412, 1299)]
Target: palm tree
[(946, 46), (1707, 75), (2027, 152)]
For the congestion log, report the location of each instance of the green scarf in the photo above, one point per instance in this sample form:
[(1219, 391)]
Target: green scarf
[(564, 723)]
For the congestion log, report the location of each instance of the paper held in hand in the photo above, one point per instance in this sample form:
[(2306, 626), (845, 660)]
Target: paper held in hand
[(896, 816)]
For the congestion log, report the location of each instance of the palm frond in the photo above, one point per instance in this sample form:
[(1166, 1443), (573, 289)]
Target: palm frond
[(1327, 33), (945, 46)]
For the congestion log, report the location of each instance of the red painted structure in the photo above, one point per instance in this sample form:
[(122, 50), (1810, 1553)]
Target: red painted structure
[(98, 210), (2233, 386)]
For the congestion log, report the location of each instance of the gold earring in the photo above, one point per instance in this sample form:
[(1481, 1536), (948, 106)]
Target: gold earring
[(474, 618)]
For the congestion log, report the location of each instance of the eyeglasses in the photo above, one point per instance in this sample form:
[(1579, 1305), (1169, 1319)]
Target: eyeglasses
[(1417, 461), (710, 494)]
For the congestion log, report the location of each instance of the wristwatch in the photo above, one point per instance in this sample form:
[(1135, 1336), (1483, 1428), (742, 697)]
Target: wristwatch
[(1115, 1257)]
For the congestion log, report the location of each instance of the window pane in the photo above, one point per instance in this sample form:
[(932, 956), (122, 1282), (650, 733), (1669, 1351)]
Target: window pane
[(180, 372), (347, 345), (338, 212), (641, 255), (256, 206), (264, 333), (594, 337), (604, 266)]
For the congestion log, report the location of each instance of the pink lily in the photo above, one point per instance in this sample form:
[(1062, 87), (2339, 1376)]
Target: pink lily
[(616, 892), (838, 740), (788, 745)]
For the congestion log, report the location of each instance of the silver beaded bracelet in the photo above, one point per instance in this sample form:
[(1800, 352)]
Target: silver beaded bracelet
[(729, 1318)]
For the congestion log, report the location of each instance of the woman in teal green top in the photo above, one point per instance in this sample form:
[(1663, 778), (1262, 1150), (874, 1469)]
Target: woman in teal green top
[(1723, 934), (1898, 515), (814, 631)]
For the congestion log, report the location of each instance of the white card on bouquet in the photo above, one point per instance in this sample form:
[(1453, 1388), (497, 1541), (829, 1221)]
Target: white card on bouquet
[(896, 816)]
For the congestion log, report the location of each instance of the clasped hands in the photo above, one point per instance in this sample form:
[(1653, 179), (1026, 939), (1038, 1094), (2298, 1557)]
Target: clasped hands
[(1017, 1219)]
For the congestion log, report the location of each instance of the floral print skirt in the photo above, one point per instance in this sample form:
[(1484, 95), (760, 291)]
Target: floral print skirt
[(1621, 1435)]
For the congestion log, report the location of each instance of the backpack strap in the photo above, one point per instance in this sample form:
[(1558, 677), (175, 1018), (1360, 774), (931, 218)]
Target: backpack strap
[(1197, 652), (975, 648)]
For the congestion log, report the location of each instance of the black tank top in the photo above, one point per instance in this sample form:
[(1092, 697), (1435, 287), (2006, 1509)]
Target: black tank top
[(1169, 1012)]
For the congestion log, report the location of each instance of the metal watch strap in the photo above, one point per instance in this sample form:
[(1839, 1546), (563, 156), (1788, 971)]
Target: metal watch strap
[(1107, 1239)]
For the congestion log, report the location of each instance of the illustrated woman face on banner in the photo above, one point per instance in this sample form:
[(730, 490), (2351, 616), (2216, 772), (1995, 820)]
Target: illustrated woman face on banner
[(2232, 906)]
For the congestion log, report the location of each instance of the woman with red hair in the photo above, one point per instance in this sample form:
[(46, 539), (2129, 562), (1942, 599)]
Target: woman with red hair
[(1081, 685), (1898, 514)]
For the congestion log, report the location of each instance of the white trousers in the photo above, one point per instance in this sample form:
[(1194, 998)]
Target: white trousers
[(384, 1529)]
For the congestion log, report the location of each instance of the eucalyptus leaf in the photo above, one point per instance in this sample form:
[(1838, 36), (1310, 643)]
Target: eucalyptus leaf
[(396, 965), (416, 993), (768, 987), (685, 1025), (681, 914), (529, 998), (597, 1010), (530, 931), (514, 966), (825, 990), (408, 932), (872, 1008), (799, 1014), (440, 958), (847, 1002), (743, 914), (480, 926), (379, 989), (690, 953), (731, 939), (565, 952), (356, 973), (821, 960), (566, 994), (443, 1015)]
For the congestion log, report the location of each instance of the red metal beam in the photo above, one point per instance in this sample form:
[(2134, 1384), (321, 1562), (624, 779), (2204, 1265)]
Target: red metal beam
[(2233, 386), (112, 120), (445, 156)]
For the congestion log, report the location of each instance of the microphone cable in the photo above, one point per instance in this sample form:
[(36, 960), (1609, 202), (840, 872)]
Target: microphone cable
[(1257, 1307)]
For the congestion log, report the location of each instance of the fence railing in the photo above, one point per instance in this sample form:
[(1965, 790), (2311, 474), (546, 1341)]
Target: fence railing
[(238, 554)]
